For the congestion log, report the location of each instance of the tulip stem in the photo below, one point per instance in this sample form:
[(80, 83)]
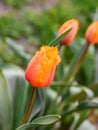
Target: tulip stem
[(29, 107), (74, 68), (77, 63)]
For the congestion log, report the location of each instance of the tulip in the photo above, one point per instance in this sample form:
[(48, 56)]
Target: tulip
[(91, 34), (72, 24), (40, 70)]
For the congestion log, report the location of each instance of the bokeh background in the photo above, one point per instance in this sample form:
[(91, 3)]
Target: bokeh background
[(28, 24), (25, 25)]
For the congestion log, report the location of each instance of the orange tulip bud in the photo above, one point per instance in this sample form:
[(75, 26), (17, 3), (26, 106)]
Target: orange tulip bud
[(91, 34), (72, 24), (41, 68)]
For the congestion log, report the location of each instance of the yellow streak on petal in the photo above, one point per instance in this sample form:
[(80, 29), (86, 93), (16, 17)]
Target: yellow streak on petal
[(50, 57)]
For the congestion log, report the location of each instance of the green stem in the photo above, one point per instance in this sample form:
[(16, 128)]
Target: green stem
[(75, 67), (29, 107), (77, 63)]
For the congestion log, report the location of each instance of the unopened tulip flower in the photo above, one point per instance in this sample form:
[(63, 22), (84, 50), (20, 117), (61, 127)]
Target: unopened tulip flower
[(40, 70), (91, 34), (72, 24)]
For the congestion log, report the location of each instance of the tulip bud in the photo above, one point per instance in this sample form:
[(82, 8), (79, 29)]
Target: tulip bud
[(91, 34), (72, 24), (40, 70)]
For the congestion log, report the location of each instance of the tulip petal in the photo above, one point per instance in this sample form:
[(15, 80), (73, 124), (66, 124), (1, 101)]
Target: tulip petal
[(91, 34), (50, 76), (41, 69), (74, 24)]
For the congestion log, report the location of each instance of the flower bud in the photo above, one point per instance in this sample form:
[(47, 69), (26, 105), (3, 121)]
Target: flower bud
[(91, 34), (72, 24), (40, 70)]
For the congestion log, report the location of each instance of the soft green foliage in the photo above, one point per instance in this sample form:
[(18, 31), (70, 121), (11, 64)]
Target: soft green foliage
[(44, 120), (12, 27), (24, 29), (17, 3), (4, 103), (12, 52)]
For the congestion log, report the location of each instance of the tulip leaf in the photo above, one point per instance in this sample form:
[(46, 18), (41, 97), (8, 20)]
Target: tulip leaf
[(94, 88), (17, 92), (58, 39), (18, 48), (45, 120), (80, 92), (87, 105), (4, 104), (75, 107), (83, 116)]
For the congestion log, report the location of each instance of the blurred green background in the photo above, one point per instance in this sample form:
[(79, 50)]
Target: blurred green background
[(25, 25)]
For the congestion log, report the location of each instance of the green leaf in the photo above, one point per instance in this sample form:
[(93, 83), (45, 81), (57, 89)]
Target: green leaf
[(75, 107), (19, 49), (58, 39), (80, 92), (17, 92), (4, 104), (45, 120), (83, 116), (74, 93), (87, 105), (94, 88)]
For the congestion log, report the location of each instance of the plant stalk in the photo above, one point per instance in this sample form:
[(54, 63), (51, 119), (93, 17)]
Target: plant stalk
[(78, 62), (29, 107), (75, 67)]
